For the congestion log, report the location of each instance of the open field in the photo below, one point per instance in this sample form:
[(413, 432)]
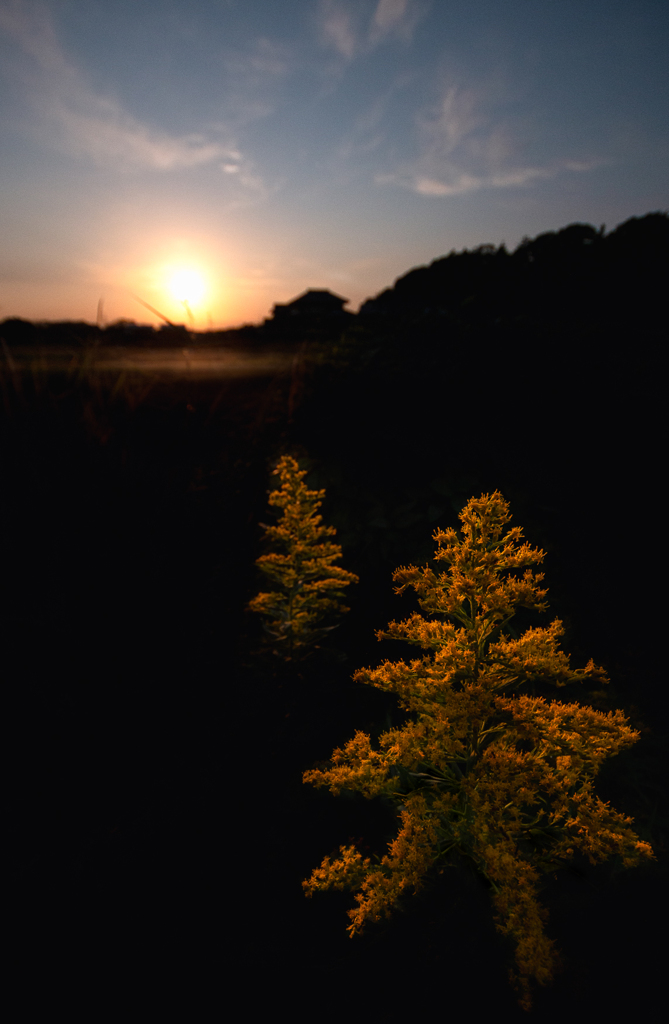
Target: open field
[(187, 363)]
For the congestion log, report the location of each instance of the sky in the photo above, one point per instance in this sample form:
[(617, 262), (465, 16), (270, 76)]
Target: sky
[(213, 157)]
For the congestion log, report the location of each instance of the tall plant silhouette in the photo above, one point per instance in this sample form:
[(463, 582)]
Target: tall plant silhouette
[(482, 769), (308, 585)]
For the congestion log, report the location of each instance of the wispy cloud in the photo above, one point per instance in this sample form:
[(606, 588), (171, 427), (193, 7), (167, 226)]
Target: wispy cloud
[(353, 29), (338, 30), (371, 128), (98, 128), (77, 120), (395, 18), (255, 70), (389, 13), (461, 182), (454, 181), (241, 169), (462, 149)]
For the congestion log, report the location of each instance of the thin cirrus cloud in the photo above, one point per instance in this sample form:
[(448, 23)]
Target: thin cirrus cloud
[(345, 30), (98, 128), (77, 120), (460, 182), (452, 180), (264, 61), (461, 150)]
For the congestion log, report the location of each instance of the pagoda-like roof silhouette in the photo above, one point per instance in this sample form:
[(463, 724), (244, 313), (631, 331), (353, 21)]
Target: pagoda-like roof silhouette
[(313, 303)]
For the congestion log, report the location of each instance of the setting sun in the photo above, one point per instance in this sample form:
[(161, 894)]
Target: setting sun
[(187, 286)]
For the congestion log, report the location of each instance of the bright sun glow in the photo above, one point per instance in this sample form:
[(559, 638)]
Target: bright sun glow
[(187, 286)]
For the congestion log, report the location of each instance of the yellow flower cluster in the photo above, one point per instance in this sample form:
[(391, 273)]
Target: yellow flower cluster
[(501, 777), (308, 584)]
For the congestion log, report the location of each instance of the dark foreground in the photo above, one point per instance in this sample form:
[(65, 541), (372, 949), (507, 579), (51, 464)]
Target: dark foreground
[(159, 826)]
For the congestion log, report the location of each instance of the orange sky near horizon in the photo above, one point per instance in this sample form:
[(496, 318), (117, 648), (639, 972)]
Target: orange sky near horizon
[(228, 297), (239, 285)]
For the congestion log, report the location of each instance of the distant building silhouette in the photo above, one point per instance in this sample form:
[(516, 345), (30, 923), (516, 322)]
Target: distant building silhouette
[(314, 304)]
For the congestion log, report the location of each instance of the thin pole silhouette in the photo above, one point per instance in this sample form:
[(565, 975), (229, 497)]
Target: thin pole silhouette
[(157, 312)]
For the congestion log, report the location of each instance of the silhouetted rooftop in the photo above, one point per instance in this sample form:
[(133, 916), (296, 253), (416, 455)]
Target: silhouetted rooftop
[(314, 302)]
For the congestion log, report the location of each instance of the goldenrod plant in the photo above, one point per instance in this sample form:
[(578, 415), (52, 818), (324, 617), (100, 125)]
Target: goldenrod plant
[(484, 767), (308, 585)]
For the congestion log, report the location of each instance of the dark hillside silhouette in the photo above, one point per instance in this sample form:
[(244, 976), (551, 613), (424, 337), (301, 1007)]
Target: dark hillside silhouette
[(576, 275)]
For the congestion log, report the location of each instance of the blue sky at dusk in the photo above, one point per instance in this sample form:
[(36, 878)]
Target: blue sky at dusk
[(269, 146)]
